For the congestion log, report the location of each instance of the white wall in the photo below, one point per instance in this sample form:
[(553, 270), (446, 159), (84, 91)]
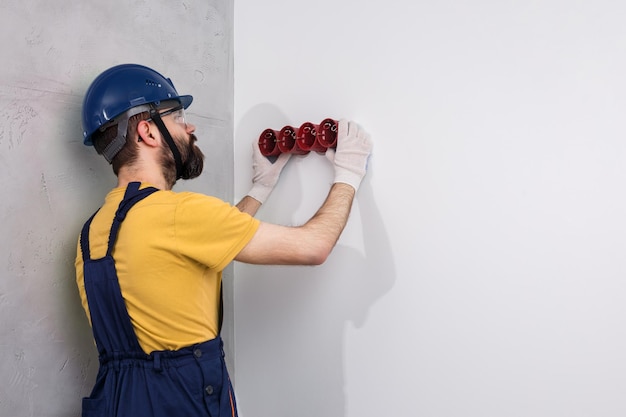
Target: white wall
[(482, 272), (51, 183)]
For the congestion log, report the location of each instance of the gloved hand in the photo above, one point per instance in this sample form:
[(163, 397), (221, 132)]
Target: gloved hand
[(266, 173), (354, 147)]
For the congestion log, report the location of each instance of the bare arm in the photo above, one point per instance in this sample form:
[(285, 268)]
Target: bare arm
[(309, 244), (249, 205)]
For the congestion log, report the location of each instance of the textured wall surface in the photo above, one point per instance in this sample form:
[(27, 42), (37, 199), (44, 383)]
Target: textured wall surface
[(51, 183), (482, 274)]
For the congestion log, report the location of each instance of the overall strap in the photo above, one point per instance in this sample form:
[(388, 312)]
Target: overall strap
[(110, 322), (132, 196), (84, 238)]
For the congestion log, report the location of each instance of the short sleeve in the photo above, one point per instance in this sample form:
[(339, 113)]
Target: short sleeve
[(211, 231)]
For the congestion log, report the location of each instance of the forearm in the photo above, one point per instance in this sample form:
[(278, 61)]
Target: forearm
[(309, 244), (249, 205), (325, 227)]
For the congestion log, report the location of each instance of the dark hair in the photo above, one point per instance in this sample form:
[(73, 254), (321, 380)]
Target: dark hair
[(128, 154)]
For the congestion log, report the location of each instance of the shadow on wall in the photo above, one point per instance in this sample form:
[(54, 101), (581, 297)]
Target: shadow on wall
[(296, 317)]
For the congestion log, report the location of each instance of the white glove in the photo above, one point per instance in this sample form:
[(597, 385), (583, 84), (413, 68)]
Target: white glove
[(354, 147), (266, 173)]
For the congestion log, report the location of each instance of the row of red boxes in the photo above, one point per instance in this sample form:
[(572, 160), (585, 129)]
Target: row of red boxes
[(308, 137)]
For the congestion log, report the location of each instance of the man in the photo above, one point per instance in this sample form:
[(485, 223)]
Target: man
[(149, 261)]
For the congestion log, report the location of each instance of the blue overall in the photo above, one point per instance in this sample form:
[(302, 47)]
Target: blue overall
[(189, 382)]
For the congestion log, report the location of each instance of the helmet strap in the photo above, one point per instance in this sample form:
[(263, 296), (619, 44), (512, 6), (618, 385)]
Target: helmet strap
[(119, 141), (154, 115)]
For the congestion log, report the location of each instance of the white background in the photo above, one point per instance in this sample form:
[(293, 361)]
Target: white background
[(482, 271)]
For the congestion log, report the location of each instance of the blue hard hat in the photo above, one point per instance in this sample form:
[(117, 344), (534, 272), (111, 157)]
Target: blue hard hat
[(121, 88)]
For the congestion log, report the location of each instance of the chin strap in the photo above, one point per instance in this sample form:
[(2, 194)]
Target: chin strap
[(154, 115)]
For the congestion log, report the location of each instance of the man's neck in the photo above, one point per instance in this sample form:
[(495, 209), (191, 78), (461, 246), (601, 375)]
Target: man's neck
[(126, 176)]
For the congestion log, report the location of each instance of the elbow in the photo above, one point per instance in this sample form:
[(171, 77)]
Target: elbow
[(312, 248), (318, 256)]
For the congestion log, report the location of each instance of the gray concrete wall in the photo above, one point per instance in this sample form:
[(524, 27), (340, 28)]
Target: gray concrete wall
[(50, 182)]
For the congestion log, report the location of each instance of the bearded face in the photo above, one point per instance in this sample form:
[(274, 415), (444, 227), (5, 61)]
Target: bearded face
[(192, 158)]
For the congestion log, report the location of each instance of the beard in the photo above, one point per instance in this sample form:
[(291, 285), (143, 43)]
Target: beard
[(192, 159)]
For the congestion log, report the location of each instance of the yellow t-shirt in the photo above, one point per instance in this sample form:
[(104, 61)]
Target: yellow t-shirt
[(169, 255)]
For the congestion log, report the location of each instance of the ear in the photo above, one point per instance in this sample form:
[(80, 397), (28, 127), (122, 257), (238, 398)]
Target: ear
[(145, 133)]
